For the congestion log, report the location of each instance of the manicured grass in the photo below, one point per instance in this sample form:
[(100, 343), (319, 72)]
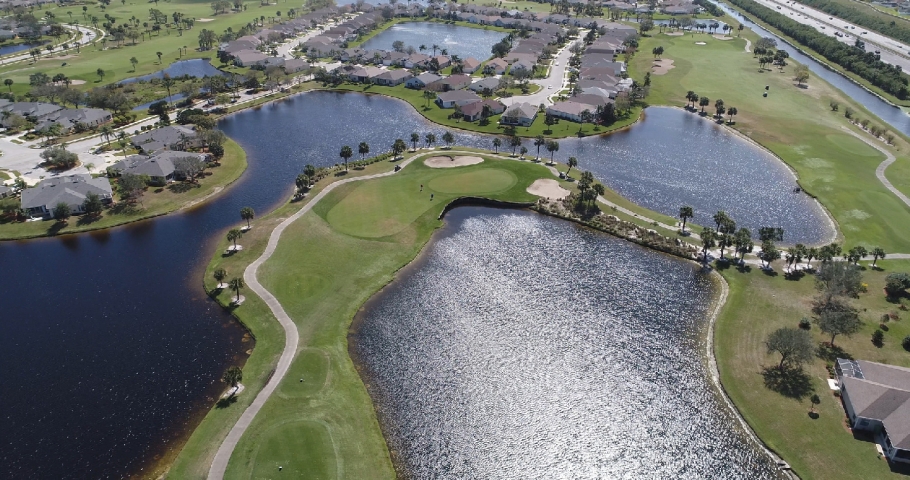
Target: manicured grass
[(327, 264), (797, 125), (758, 304), (440, 115), (156, 201)]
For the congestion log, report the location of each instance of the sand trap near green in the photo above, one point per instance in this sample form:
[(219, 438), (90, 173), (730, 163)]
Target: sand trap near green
[(548, 188), (452, 162)]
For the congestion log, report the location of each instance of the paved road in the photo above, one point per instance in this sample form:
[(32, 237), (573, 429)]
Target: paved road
[(551, 85), (880, 171), (892, 51)]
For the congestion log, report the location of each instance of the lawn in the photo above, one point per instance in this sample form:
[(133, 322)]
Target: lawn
[(327, 264), (156, 201), (759, 304), (797, 125)]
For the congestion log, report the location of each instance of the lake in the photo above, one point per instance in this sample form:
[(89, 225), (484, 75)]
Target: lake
[(114, 352), (196, 67), (521, 346), (457, 40)]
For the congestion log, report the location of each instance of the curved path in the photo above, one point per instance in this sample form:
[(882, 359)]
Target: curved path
[(291, 337), (880, 171)]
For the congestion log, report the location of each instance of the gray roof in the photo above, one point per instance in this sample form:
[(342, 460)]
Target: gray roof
[(490, 82), (160, 164), (68, 118), (880, 392), (457, 95), (36, 109), (71, 190), (524, 110), (166, 136)]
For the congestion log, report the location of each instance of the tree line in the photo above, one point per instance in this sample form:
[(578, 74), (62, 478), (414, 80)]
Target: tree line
[(864, 64)]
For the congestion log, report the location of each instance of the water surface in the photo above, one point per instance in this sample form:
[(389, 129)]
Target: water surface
[(196, 67), (520, 346), (462, 41)]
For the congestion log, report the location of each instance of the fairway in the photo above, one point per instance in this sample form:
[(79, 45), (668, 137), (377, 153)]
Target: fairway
[(310, 368), (302, 449)]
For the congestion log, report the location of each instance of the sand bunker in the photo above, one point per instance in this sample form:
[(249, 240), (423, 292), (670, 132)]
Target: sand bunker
[(548, 188), (722, 37), (674, 34), (77, 82), (205, 20), (700, 43), (450, 162), (662, 66)]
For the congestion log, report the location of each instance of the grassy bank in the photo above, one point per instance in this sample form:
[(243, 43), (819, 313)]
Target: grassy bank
[(156, 201), (796, 124), (327, 264)]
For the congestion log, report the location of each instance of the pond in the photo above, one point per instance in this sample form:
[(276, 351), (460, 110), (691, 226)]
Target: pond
[(115, 351), (173, 98), (197, 67), (8, 49), (457, 40), (521, 346)]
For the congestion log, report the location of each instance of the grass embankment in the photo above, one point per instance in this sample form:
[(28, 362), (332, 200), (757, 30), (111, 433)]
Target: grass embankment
[(115, 61), (328, 263), (156, 201), (798, 125), (440, 116)]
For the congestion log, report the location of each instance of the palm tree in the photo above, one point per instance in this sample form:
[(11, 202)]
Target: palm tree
[(168, 82), (448, 138), (233, 235), (703, 102), (219, 274), (435, 47), (346, 153), (247, 213), (539, 141), (398, 147), (497, 142), (427, 96), (9, 84), (363, 149), (236, 284), (685, 213), (708, 240), (431, 139), (100, 73), (232, 376), (689, 95), (106, 133), (572, 162), (877, 252), (134, 61), (514, 142), (552, 147), (415, 137), (159, 57)]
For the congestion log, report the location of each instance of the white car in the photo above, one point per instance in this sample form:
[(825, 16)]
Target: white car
[(549, 87)]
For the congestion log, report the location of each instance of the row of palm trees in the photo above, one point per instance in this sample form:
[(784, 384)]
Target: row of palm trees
[(719, 107), (399, 146)]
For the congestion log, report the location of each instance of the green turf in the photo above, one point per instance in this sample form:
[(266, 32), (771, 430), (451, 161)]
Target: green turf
[(797, 125), (302, 449)]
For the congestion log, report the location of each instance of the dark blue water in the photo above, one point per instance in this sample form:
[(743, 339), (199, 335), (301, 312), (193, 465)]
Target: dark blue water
[(462, 41), (8, 49), (195, 68), (523, 347), (888, 113), (173, 98)]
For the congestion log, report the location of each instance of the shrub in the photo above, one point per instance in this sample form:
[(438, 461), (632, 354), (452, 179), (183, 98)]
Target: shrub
[(896, 283), (885, 317), (906, 343), (878, 338), (805, 323)]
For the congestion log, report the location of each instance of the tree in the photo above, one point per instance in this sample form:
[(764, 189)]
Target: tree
[(877, 252), (415, 137), (100, 73), (836, 317), (769, 253), (247, 213), (448, 138), (839, 279), (427, 96), (232, 376), (572, 162), (9, 83), (159, 57), (189, 167), (220, 274), (132, 186), (233, 235), (896, 283), (708, 240), (552, 147), (801, 74), (815, 401), (345, 154), (703, 102), (856, 254), (794, 346), (62, 212), (134, 61), (398, 147), (719, 107), (514, 142), (60, 158), (363, 149), (742, 241), (497, 142), (431, 139), (167, 82), (685, 213), (539, 141), (236, 284), (92, 205)]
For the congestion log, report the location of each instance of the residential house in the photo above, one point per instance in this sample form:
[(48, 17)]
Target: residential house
[(5, 191), (296, 65), (422, 80), (391, 78), (249, 58), (521, 66), (479, 86), (876, 397), (522, 114), (70, 118), (416, 60), (452, 82), (443, 60), (364, 74), (395, 58), (470, 65), (569, 110), (40, 200), (172, 137), (474, 111), (160, 167), (496, 66), (454, 98)]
